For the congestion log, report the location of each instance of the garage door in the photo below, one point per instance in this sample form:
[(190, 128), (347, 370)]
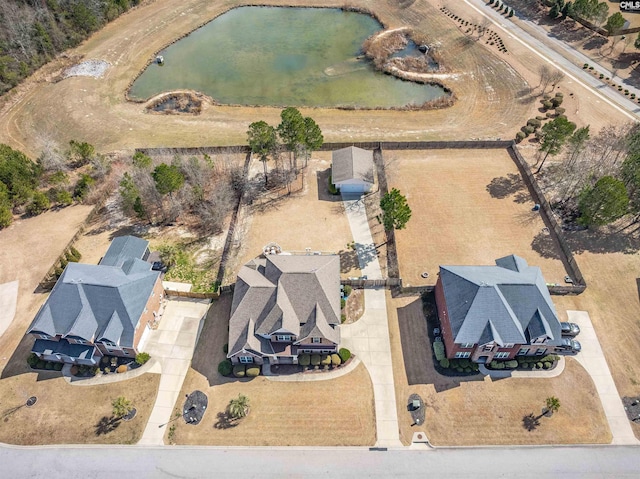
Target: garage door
[(143, 339), (351, 188)]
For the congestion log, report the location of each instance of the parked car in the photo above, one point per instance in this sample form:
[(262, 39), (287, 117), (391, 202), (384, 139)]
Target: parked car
[(569, 345), (570, 329)]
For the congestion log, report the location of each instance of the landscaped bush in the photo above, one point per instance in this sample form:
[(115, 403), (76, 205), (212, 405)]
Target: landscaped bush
[(57, 366), (511, 364), (539, 365), (528, 129), (520, 136), (122, 368), (142, 358), (332, 189), (347, 290), (253, 371), (325, 359), (225, 367), (560, 111), (343, 318), (343, 303), (315, 359), (557, 101), (444, 362), (40, 364), (534, 122), (335, 360), (547, 104), (225, 348), (32, 360), (239, 370), (48, 365), (304, 359), (546, 365), (525, 365), (438, 350), (344, 354), (464, 362)]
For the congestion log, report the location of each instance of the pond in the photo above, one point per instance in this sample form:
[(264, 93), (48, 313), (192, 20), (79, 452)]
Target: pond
[(277, 56)]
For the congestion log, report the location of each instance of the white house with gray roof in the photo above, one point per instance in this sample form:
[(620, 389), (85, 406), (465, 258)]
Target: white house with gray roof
[(496, 312), (285, 305), (97, 310), (352, 170)]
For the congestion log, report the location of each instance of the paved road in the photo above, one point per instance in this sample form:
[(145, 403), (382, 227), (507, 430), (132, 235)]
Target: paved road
[(554, 51), (368, 338), (592, 359), (600, 462)]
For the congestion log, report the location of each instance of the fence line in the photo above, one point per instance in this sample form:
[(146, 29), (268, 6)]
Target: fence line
[(190, 294), (372, 283)]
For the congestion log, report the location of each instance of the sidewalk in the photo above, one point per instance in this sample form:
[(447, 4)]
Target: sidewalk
[(172, 345), (592, 359), (368, 338)]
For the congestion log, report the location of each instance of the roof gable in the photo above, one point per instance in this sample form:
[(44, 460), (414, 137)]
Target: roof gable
[(352, 163)]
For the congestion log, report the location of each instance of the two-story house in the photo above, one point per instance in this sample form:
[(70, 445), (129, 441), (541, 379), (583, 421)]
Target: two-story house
[(496, 312), (285, 305), (103, 309)]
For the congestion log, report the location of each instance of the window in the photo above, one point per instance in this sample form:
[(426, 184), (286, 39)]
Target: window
[(316, 340), (80, 341), (44, 336), (540, 351), (110, 345), (523, 351), (508, 346), (461, 354), (487, 347), (467, 345), (501, 355), (246, 359), (283, 337)]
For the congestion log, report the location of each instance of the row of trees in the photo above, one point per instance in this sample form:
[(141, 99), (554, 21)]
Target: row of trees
[(591, 10), (56, 178), (297, 134), (32, 32)]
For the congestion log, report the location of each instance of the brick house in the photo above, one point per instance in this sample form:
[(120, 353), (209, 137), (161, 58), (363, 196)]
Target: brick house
[(496, 312), (285, 305), (103, 309)]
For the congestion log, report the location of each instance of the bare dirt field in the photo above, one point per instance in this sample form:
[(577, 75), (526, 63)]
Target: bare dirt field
[(335, 412), (478, 411), (470, 207), (308, 218), (65, 414)]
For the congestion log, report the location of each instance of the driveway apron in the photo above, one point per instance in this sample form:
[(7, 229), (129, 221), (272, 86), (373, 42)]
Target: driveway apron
[(368, 338), (592, 359), (172, 345)]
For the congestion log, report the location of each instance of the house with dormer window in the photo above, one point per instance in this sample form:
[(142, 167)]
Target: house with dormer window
[(285, 305), (496, 312), (98, 310)]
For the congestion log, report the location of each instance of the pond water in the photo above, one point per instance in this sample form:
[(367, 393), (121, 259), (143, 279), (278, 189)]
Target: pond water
[(281, 57)]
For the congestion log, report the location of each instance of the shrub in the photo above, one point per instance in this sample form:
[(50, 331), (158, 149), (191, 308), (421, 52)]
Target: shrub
[(459, 369), (511, 364), (75, 253), (57, 366), (444, 362), (83, 186), (239, 370), (556, 102), (347, 290), (335, 360), (40, 364), (74, 370), (39, 203), (253, 371), (332, 189), (547, 104), (315, 359), (225, 348), (528, 129), (586, 65), (546, 365), (32, 360), (467, 369), (343, 318), (475, 367), (48, 365), (63, 197), (539, 365), (325, 359), (122, 368), (304, 359), (520, 136), (534, 122), (525, 365), (344, 354), (142, 358), (493, 364), (225, 367), (438, 350), (464, 362), (560, 111), (541, 118)]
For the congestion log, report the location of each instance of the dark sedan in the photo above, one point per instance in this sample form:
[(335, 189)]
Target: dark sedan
[(569, 345), (570, 329)]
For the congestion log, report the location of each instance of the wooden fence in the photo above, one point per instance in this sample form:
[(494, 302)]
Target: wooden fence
[(170, 293), (372, 283)]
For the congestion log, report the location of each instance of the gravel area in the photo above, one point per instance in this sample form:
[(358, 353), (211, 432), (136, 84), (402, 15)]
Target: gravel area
[(90, 68)]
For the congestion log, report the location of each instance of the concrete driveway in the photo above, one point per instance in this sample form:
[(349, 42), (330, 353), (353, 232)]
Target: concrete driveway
[(172, 345), (592, 359)]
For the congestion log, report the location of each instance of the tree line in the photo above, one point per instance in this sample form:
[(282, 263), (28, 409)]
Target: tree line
[(33, 32), (57, 178)]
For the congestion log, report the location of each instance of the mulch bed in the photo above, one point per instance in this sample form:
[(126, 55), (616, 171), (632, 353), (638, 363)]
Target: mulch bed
[(416, 414), (194, 407), (632, 407)]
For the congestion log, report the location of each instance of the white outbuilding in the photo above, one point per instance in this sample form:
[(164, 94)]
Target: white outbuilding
[(352, 170)]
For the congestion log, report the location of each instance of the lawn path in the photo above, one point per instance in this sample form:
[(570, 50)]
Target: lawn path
[(368, 338)]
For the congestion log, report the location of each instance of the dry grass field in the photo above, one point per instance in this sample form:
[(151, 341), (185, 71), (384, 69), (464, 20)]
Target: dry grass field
[(336, 412), (470, 207), (308, 218), (66, 414), (478, 411)]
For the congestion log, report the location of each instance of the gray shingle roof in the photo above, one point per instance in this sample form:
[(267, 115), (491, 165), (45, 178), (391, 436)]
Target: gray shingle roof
[(123, 248), (352, 163), (96, 302), (506, 303), (82, 351), (293, 294)]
